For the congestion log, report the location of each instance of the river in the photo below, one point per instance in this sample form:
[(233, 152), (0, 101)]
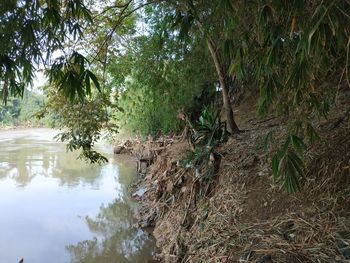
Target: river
[(55, 208)]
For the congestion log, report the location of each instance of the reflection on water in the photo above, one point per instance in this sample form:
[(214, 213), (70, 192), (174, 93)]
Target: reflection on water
[(118, 240), (59, 209)]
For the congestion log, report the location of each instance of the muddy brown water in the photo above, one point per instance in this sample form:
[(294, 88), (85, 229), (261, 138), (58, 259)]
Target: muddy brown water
[(55, 208)]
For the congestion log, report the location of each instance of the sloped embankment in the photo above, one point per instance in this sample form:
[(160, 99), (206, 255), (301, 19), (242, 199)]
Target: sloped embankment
[(240, 215)]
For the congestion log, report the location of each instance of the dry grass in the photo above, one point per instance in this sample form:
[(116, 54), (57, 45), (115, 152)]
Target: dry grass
[(241, 216)]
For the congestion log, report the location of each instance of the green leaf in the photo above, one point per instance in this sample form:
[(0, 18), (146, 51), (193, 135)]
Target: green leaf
[(319, 9), (268, 139), (297, 163), (87, 84), (291, 180), (275, 165), (298, 144), (312, 133), (284, 148), (94, 79)]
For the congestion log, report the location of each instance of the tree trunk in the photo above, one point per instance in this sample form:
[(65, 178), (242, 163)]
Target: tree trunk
[(231, 124)]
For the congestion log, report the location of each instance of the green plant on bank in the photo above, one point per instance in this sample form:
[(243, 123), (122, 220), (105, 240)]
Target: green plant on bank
[(209, 130), (207, 133)]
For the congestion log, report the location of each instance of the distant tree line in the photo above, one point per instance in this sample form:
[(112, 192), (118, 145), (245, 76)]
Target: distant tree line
[(23, 111)]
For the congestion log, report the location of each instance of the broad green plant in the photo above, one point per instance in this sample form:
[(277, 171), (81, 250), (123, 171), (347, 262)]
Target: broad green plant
[(207, 133)]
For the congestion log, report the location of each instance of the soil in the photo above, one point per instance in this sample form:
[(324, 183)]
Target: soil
[(240, 214)]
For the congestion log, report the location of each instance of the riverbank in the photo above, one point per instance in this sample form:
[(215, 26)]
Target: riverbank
[(4, 127), (240, 215)]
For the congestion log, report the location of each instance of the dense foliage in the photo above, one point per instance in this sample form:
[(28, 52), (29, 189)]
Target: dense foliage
[(34, 30), (154, 60), (159, 86), (296, 52), (299, 55)]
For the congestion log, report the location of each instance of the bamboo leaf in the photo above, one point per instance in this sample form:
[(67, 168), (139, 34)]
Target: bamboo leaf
[(94, 79), (298, 144), (319, 9), (275, 165)]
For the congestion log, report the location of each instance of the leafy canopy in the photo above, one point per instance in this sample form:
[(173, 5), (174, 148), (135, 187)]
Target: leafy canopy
[(34, 30)]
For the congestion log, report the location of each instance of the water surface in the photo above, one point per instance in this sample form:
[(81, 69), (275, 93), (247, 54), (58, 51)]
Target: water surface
[(54, 208)]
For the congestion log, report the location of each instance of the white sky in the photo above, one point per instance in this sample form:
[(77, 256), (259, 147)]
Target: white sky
[(39, 81)]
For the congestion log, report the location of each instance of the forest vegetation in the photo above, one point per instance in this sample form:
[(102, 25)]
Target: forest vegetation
[(141, 64), (157, 67)]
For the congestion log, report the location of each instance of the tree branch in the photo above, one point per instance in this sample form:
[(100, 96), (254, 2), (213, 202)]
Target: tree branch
[(116, 6), (123, 15)]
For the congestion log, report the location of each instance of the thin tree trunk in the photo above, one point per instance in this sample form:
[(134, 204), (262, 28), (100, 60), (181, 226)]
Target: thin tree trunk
[(231, 124)]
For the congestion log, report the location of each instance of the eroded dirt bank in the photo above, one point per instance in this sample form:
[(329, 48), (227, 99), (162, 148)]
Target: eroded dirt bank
[(240, 215)]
